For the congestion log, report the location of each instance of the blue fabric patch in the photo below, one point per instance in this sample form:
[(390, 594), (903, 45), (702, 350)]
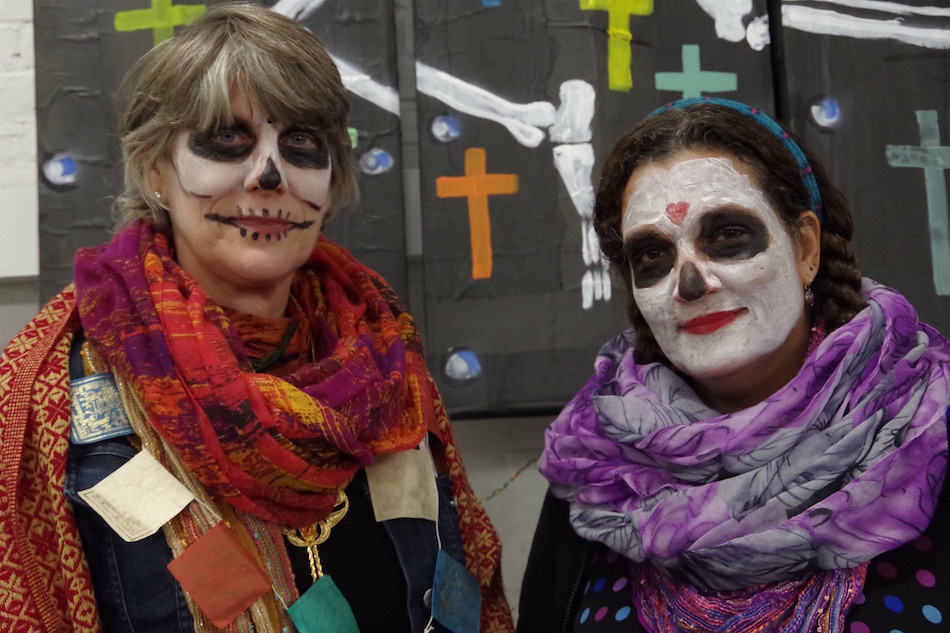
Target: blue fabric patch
[(96, 410), (456, 599)]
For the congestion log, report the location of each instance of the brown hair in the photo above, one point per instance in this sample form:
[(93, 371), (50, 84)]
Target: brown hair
[(185, 83), (837, 286)]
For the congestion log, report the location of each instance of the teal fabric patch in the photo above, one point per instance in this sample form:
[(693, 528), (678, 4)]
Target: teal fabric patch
[(323, 609), (96, 410), (456, 599)]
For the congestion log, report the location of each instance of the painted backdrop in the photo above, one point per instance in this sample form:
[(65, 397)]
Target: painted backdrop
[(479, 127)]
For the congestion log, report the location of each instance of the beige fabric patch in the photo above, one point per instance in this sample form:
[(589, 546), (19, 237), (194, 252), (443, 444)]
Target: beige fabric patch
[(402, 486), (138, 498)]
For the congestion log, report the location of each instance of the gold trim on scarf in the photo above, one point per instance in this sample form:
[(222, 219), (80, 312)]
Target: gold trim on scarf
[(269, 612)]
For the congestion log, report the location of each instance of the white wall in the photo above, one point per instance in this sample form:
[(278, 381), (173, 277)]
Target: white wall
[(19, 239)]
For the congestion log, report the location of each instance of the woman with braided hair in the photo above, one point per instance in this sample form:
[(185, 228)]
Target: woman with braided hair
[(765, 449), (226, 422)]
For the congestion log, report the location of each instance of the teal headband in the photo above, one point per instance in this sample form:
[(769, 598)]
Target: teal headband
[(760, 117)]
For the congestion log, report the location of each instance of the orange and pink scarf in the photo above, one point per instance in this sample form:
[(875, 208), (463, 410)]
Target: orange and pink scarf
[(278, 449)]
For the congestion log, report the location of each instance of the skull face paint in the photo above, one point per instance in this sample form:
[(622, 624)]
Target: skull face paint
[(714, 270), (246, 201)]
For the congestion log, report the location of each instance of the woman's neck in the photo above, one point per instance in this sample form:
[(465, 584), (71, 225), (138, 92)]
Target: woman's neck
[(266, 301), (747, 386)]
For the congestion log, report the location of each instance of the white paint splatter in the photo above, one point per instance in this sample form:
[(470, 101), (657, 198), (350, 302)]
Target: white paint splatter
[(757, 34), (587, 290), (824, 22), (297, 9), (727, 16), (359, 83), (573, 116), (575, 163), (522, 120)]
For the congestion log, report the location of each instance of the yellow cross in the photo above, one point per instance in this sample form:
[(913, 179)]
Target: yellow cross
[(162, 18), (619, 36)]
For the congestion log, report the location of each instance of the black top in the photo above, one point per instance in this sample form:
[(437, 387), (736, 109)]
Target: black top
[(378, 598), (568, 584)]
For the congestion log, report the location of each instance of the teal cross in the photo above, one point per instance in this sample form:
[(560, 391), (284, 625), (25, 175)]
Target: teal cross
[(162, 18), (693, 82), (934, 159)]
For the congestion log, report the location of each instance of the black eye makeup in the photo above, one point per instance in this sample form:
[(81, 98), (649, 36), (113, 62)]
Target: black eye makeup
[(728, 234), (651, 257), (304, 148), (224, 144)]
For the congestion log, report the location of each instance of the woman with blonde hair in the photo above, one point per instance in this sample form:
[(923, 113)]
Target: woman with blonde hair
[(226, 422)]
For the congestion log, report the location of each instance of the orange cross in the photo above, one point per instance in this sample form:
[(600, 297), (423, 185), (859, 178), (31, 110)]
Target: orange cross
[(476, 185)]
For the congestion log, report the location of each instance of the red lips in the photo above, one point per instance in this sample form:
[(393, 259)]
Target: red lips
[(711, 322)]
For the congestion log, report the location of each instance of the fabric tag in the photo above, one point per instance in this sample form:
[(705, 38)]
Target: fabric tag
[(96, 410), (220, 575), (456, 599), (323, 609), (402, 486), (138, 498)]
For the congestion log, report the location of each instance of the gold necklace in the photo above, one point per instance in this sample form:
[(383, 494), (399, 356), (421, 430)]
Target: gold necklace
[(312, 535)]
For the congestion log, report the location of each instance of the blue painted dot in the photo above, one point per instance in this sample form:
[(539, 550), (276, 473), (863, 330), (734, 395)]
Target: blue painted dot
[(896, 631), (60, 169), (825, 112), (376, 161), (462, 365), (893, 603), (446, 128), (622, 614), (932, 614), (599, 584), (584, 616)]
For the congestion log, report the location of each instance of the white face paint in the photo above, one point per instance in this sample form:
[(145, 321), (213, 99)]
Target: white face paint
[(246, 202), (715, 273)]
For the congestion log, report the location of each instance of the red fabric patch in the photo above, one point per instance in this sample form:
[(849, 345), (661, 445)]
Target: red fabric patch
[(220, 575)]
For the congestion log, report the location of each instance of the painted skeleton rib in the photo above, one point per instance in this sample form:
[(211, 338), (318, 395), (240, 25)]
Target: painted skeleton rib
[(832, 23), (932, 31)]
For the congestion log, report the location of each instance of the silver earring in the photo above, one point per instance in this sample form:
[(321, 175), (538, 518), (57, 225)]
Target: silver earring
[(158, 195)]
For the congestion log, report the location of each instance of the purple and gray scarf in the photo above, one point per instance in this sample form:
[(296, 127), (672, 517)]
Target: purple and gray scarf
[(842, 464)]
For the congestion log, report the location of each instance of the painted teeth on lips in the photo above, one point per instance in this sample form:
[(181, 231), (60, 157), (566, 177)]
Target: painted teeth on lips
[(710, 322), (263, 224), (248, 212)]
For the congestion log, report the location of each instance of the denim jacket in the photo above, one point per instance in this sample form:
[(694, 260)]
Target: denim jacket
[(135, 592)]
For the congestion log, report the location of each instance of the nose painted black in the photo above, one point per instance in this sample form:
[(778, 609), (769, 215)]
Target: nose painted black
[(692, 286), (270, 177)]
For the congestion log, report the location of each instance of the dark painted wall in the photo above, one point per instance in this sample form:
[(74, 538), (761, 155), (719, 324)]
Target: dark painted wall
[(534, 322)]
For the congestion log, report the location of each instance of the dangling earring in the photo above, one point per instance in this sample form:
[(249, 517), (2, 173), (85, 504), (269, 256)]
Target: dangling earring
[(809, 297)]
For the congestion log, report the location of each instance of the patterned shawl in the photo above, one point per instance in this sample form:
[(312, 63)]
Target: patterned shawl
[(273, 449), (842, 464)]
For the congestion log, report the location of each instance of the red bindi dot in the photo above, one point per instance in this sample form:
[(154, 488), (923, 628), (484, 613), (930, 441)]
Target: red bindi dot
[(676, 212)]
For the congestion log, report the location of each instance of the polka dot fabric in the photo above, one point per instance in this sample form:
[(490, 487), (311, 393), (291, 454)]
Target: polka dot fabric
[(607, 603), (906, 590)]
